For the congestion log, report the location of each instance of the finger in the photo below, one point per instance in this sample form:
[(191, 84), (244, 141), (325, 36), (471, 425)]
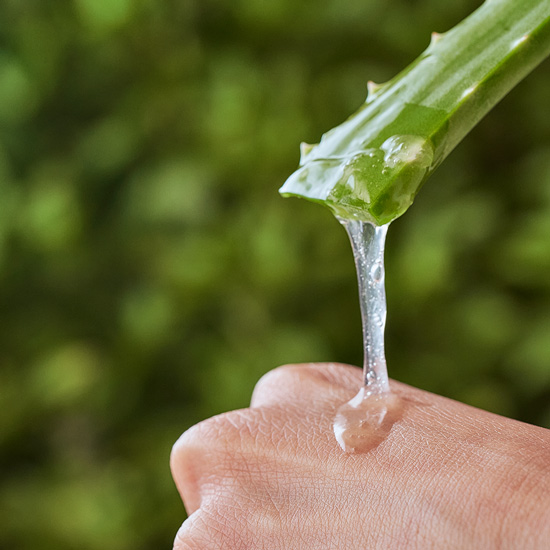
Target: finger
[(307, 385)]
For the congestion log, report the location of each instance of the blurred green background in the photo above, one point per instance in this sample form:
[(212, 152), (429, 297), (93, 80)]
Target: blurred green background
[(150, 273)]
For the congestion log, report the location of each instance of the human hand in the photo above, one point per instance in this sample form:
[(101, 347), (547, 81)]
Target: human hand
[(273, 476)]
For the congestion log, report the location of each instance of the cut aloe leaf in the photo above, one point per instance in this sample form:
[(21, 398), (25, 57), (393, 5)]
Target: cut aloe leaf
[(372, 166)]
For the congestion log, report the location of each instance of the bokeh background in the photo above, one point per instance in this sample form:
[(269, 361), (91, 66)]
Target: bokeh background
[(150, 273)]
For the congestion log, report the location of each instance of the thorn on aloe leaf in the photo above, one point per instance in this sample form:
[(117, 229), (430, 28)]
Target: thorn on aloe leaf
[(373, 89), (469, 91), (435, 38), (519, 41), (305, 149)]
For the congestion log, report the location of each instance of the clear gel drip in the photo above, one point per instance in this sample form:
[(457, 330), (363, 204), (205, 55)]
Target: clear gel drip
[(365, 420), (367, 241)]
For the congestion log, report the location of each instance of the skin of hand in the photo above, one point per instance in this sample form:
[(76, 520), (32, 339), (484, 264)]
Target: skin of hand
[(447, 476)]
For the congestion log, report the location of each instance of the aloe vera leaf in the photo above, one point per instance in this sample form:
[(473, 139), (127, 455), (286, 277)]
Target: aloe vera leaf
[(372, 166)]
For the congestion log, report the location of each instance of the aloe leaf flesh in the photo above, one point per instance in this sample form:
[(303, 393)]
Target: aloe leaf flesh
[(372, 166)]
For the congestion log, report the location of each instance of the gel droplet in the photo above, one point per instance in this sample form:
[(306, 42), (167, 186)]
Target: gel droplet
[(365, 421), (405, 149)]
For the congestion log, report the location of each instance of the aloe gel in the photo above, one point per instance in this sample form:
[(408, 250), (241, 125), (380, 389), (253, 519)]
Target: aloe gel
[(366, 419), (369, 169)]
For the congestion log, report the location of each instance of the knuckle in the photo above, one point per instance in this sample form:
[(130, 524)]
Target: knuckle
[(196, 437), (287, 383), (208, 450), (217, 433), (282, 376)]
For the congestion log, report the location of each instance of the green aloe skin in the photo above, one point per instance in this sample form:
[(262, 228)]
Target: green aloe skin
[(371, 167)]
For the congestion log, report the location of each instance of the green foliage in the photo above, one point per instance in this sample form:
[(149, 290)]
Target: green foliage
[(150, 273)]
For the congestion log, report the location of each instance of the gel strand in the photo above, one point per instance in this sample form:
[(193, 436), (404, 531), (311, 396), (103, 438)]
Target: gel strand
[(363, 422)]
